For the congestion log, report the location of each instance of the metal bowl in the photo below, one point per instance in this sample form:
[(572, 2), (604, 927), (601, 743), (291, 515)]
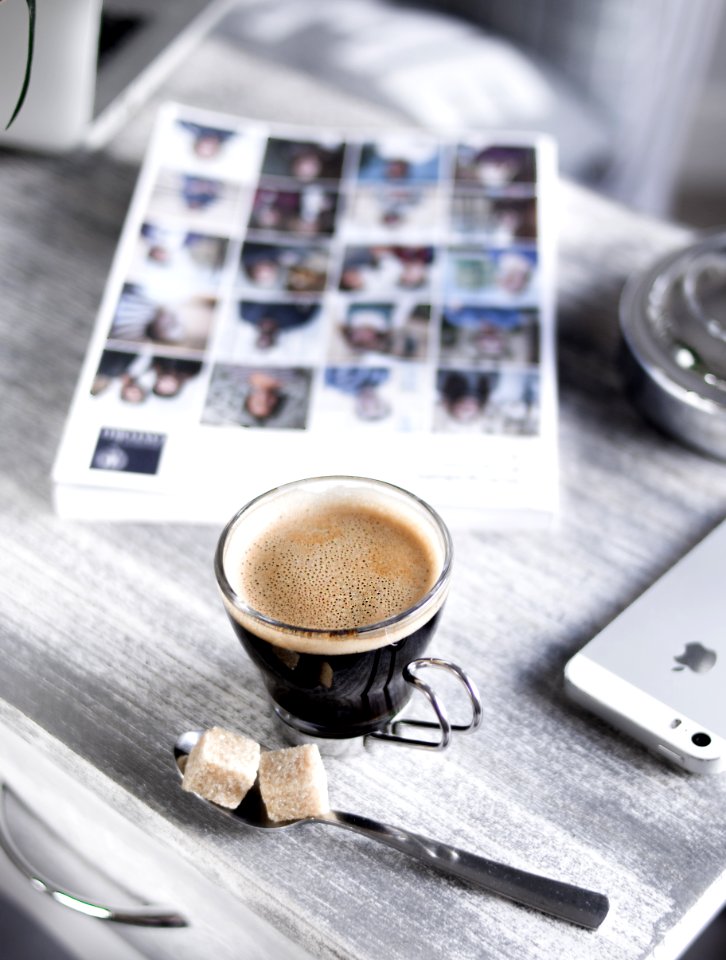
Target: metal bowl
[(673, 324)]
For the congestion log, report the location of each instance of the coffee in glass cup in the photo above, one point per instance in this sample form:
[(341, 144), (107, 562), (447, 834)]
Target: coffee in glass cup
[(334, 586)]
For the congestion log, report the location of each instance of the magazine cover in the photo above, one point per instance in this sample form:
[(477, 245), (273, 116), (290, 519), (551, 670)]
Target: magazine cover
[(289, 302)]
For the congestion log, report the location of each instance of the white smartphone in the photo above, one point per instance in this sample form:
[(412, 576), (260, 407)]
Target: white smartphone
[(658, 671)]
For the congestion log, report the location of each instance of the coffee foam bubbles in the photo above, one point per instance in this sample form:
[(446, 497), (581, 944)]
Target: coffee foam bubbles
[(332, 561)]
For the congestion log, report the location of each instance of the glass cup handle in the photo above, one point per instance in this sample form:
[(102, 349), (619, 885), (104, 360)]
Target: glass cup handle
[(390, 732)]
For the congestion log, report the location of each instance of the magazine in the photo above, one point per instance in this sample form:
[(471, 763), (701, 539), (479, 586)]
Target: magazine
[(289, 302)]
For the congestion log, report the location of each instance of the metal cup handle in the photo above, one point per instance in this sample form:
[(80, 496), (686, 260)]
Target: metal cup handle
[(390, 733)]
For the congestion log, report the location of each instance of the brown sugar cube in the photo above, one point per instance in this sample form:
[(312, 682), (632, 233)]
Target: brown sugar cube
[(222, 767), (293, 783)]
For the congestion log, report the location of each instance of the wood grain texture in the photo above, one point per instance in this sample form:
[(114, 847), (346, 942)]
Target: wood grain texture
[(113, 639)]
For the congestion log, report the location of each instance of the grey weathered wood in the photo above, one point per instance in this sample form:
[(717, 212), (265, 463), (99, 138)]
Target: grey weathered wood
[(113, 639)]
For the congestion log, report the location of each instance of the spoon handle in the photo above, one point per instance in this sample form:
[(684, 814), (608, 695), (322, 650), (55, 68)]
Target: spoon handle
[(563, 900)]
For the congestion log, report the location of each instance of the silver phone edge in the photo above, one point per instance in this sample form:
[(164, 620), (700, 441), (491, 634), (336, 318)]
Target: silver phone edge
[(662, 747)]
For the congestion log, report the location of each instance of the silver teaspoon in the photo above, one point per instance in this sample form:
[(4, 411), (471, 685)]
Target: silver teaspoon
[(562, 900)]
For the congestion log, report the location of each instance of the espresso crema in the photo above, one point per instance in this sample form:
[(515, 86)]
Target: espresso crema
[(334, 563)]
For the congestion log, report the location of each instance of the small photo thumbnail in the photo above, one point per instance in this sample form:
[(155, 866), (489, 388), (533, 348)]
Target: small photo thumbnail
[(501, 277), (142, 317), (384, 269), (395, 208), (303, 160), (392, 329), (495, 166), (503, 402), (371, 398), (170, 259), (204, 141), (500, 220), (309, 210), (138, 379), (212, 150), (202, 202), (473, 334), (278, 331), (266, 398), (296, 268), (400, 160)]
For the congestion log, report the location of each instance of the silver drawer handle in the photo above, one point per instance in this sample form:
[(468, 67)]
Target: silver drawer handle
[(142, 916)]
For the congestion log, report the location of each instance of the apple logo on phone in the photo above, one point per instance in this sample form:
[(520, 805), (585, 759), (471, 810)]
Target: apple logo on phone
[(697, 658)]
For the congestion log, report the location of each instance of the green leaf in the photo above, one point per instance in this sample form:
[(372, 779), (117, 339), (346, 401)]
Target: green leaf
[(28, 62)]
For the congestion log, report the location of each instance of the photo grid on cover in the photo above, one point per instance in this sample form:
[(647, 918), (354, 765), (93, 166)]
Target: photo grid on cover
[(313, 282)]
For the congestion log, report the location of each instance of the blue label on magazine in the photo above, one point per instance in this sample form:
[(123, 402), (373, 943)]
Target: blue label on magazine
[(128, 451)]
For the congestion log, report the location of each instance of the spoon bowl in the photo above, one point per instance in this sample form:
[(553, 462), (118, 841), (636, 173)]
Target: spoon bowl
[(251, 811)]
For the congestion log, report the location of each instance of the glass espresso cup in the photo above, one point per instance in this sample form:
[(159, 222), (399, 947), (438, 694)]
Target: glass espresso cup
[(334, 587)]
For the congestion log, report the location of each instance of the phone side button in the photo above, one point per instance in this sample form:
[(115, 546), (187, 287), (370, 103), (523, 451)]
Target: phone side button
[(670, 754)]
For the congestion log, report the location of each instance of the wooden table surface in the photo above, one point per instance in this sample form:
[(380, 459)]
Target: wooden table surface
[(113, 639)]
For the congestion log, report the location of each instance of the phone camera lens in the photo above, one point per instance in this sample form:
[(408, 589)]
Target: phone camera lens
[(701, 739)]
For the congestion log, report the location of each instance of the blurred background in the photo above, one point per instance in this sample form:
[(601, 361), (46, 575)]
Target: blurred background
[(635, 93), (700, 195)]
